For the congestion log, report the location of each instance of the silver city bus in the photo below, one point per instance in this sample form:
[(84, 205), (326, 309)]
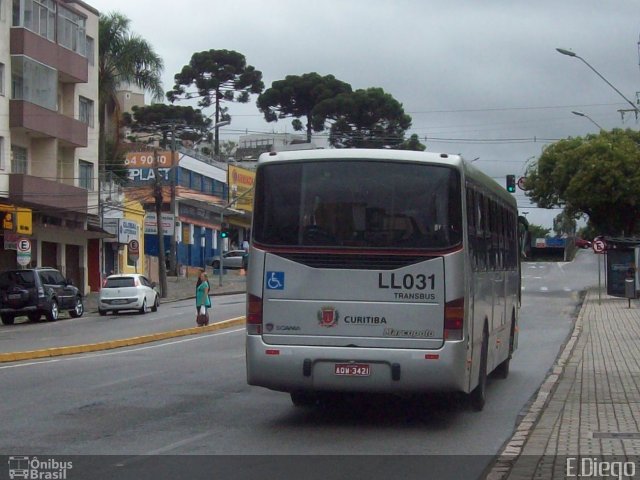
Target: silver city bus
[(380, 271)]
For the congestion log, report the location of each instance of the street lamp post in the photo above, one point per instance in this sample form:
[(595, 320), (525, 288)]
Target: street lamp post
[(580, 114), (216, 149), (569, 53)]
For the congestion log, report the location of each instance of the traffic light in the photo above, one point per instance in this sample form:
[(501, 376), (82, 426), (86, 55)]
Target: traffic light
[(511, 183), (224, 230)]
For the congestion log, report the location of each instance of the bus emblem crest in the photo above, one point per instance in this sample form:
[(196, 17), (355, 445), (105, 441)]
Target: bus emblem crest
[(328, 317)]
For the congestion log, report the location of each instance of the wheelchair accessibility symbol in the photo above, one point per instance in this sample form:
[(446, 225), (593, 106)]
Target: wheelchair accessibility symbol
[(275, 281)]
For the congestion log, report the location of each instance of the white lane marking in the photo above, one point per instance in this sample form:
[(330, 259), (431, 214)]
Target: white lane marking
[(161, 450), (123, 350), (544, 289)]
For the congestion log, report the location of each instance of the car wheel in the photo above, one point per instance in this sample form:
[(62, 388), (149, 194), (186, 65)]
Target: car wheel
[(156, 304), (215, 264), (8, 319), (102, 312), (79, 309), (143, 309), (53, 312), (34, 317)]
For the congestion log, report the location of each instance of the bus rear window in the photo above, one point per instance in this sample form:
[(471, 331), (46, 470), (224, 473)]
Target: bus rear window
[(357, 203)]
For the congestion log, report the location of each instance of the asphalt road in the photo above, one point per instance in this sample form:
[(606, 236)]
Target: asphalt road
[(189, 397)]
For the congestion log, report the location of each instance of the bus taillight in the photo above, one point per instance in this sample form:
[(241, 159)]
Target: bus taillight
[(454, 319), (254, 315)]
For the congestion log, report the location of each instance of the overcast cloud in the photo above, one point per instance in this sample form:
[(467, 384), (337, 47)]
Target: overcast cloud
[(481, 78)]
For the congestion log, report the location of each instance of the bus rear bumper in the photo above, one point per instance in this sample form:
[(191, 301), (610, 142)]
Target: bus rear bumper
[(296, 368)]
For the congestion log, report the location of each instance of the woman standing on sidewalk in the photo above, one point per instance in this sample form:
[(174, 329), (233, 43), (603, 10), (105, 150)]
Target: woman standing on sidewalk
[(203, 302)]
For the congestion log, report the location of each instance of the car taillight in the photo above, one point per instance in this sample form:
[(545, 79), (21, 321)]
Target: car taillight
[(454, 319), (254, 315)]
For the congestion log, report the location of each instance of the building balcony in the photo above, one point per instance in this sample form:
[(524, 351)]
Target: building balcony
[(46, 195), (40, 122), (72, 67)]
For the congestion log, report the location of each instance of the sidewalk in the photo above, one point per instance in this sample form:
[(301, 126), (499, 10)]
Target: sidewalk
[(589, 407), (180, 288)]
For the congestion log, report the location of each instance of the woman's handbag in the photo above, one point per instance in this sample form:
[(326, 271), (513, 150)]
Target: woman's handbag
[(203, 317)]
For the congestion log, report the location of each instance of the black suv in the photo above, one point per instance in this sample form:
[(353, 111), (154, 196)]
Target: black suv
[(35, 292)]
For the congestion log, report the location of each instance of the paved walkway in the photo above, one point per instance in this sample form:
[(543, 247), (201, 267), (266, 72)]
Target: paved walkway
[(589, 406)]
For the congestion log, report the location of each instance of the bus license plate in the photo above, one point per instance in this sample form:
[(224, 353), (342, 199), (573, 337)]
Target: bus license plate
[(352, 369)]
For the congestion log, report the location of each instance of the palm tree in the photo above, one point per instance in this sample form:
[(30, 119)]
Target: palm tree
[(124, 58)]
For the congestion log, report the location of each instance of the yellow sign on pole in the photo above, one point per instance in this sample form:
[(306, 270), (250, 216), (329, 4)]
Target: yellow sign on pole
[(240, 182), (16, 219)]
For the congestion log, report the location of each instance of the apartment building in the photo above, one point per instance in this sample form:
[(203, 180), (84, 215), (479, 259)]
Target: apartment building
[(49, 134)]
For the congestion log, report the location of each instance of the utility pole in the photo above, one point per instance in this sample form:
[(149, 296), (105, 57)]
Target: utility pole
[(157, 193), (173, 252), (221, 240)]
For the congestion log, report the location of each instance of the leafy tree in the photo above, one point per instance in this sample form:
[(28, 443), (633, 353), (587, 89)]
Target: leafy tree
[(412, 143), (297, 96), (124, 58), (598, 175), (367, 118), (116, 155), (538, 231), (163, 120), (218, 76), (564, 224)]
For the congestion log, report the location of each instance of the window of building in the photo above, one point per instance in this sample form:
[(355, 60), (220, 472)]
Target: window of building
[(1, 77), (196, 182), (90, 52), (185, 178), (72, 31), (85, 111), (39, 16), (86, 175), (34, 82), (18, 159), (207, 185)]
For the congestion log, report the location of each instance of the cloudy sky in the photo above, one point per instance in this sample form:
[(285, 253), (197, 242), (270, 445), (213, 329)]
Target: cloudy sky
[(481, 78)]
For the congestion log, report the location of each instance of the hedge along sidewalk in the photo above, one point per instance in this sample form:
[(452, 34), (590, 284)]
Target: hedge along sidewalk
[(112, 344)]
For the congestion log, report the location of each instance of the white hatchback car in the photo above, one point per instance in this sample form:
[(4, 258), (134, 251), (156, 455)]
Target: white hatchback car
[(128, 292)]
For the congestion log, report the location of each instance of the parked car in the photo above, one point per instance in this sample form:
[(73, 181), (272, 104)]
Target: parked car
[(128, 292), (36, 292), (232, 259), (582, 243)]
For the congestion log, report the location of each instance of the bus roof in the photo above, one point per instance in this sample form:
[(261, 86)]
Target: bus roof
[(469, 171), (361, 153)]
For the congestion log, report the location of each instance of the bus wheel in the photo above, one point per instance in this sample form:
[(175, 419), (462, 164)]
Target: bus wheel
[(479, 395), (502, 370), (303, 399)]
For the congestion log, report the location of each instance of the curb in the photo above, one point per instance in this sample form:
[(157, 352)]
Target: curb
[(507, 458), (112, 344)]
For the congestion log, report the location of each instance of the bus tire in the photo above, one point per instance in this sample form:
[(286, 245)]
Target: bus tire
[(478, 397), (502, 370), (303, 399)]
